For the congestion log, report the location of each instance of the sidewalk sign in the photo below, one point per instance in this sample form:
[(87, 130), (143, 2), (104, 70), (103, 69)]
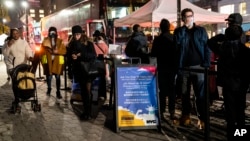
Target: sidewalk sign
[(136, 97)]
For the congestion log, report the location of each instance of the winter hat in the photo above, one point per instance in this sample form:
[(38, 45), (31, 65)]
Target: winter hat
[(235, 18), (77, 29), (52, 29), (52, 32)]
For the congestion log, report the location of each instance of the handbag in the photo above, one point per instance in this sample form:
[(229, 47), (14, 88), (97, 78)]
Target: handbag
[(93, 68)]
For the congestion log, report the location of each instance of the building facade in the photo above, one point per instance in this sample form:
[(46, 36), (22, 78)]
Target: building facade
[(237, 6)]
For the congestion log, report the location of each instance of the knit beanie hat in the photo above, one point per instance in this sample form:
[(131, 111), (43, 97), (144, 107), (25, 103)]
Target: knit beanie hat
[(76, 29)]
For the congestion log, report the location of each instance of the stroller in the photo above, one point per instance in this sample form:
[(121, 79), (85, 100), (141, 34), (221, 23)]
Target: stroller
[(24, 87)]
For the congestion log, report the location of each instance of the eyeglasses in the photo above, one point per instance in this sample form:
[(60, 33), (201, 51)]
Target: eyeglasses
[(189, 16)]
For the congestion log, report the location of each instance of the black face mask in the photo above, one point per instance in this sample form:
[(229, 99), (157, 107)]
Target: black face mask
[(52, 35)]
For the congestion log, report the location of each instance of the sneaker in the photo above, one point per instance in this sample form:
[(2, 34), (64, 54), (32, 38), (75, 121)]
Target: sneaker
[(201, 124), (48, 92), (58, 95), (58, 100), (185, 120)]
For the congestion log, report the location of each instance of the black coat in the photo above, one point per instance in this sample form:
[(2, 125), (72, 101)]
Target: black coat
[(87, 54), (164, 50)]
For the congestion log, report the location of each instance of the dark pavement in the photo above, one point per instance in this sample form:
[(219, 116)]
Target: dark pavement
[(60, 122)]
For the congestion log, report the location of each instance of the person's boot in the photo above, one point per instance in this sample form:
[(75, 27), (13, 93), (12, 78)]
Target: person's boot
[(58, 95), (174, 119), (48, 92), (201, 124), (185, 120)]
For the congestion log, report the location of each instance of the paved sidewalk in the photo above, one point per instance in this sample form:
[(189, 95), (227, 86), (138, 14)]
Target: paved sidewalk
[(61, 122), (58, 122)]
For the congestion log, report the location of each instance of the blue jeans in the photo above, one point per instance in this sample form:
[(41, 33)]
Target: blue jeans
[(58, 81), (188, 78)]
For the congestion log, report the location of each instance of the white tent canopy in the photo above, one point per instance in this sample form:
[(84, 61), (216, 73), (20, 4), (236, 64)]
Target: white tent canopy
[(155, 10)]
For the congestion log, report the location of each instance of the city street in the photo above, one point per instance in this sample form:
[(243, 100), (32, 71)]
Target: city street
[(60, 122)]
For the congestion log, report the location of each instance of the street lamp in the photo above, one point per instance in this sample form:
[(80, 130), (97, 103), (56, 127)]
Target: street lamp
[(25, 5), (9, 3)]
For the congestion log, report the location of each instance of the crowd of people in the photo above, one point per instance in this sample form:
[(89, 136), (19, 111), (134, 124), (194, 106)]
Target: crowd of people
[(187, 48), (80, 48)]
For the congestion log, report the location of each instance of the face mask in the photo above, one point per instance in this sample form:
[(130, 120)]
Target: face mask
[(190, 23), (52, 34)]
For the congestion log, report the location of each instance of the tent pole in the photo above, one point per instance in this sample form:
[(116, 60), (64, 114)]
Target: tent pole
[(178, 13), (153, 30), (113, 35)]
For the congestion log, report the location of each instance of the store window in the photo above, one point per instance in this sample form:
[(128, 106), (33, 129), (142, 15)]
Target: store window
[(243, 8), (41, 11), (227, 9)]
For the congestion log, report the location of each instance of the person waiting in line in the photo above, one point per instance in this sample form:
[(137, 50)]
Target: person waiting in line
[(82, 50), (164, 50), (192, 53), (52, 59), (16, 51), (101, 49), (6, 58), (137, 45), (233, 73), (69, 58)]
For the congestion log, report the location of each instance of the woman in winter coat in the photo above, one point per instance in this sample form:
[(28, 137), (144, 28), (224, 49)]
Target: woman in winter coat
[(52, 59), (101, 49), (82, 50)]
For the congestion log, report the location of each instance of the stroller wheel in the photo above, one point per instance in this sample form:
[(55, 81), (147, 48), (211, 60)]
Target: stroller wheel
[(32, 104), (18, 110), (38, 107), (34, 107), (13, 107)]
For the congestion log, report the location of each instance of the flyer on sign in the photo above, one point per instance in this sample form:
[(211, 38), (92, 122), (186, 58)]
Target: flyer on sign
[(137, 99)]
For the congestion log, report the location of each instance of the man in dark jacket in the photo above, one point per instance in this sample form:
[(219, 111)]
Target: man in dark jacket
[(164, 50), (137, 45), (192, 53), (233, 57)]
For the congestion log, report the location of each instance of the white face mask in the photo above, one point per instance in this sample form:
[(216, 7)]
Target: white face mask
[(189, 22)]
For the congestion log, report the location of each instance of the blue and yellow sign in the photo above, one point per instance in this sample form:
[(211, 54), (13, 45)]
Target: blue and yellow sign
[(137, 99)]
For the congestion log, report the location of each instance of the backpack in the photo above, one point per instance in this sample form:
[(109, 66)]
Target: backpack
[(131, 48)]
